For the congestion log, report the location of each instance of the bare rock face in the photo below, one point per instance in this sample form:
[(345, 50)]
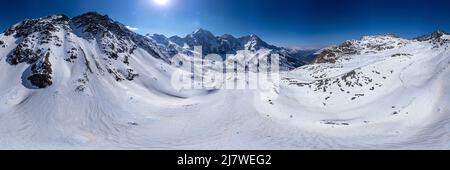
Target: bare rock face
[(332, 54), (130, 74), (41, 80), (24, 54), (34, 36), (41, 73)]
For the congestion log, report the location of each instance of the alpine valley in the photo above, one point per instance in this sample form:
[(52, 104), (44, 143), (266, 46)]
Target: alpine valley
[(88, 82)]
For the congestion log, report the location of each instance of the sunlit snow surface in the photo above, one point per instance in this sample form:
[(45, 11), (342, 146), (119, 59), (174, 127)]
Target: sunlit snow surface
[(405, 105)]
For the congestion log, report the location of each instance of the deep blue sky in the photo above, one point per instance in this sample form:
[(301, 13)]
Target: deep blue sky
[(292, 23)]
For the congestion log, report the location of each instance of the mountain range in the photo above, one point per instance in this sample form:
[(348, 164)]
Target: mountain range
[(228, 44)]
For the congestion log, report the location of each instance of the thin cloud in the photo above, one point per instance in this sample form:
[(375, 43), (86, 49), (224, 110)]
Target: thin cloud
[(132, 28)]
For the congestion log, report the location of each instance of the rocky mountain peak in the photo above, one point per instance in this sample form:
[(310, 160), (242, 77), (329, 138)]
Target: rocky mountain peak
[(253, 42), (438, 34), (44, 25), (93, 18), (379, 38), (227, 36), (230, 41), (96, 24), (159, 38), (202, 33), (433, 36), (437, 38), (251, 37)]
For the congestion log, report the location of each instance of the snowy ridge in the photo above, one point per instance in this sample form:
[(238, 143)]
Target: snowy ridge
[(90, 83)]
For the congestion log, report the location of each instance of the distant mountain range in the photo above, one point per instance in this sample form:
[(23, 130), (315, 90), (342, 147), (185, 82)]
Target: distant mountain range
[(228, 44)]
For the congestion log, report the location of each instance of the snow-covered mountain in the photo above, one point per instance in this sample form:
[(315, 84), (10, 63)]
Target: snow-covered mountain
[(228, 44), (90, 83), (390, 92), (101, 44)]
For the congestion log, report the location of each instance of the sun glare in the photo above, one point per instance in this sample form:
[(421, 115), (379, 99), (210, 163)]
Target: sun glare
[(161, 2)]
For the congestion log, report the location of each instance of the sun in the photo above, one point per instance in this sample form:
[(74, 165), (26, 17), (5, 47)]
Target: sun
[(161, 2)]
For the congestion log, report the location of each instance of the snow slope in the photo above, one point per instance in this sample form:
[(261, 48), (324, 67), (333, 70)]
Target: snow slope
[(110, 89)]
